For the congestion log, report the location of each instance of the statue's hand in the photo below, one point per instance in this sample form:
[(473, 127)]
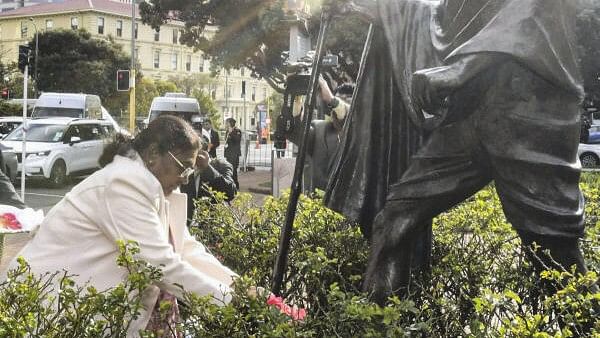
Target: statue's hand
[(431, 86)]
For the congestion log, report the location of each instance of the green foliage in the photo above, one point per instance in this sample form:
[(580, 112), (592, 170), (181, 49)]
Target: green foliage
[(479, 285), (588, 43), (9, 109), (147, 89), (208, 107), (73, 61), (52, 305)]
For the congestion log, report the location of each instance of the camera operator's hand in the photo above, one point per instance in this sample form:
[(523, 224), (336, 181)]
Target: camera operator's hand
[(324, 91), (367, 9)]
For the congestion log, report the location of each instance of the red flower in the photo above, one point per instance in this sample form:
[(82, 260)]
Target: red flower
[(292, 311), (9, 221)]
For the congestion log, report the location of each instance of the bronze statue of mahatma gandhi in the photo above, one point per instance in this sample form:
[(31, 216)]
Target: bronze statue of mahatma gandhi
[(497, 84)]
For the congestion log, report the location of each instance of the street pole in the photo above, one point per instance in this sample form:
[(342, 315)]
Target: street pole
[(226, 94), (132, 72), (245, 135), (35, 73), (24, 141)]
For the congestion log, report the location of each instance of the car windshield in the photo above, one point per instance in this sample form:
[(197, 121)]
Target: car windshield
[(39, 133), (7, 127), (57, 111), (184, 115)]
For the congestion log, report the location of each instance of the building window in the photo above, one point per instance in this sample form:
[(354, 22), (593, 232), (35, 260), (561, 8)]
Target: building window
[(23, 30), (253, 93), (188, 63), (175, 35), (49, 25), (119, 28), (135, 31), (74, 23), (201, 64), (100, 25), (157, 35), (157, 59), (242, 72), (174, 58)]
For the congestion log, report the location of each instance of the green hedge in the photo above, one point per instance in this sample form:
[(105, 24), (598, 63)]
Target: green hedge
[(479, 285)]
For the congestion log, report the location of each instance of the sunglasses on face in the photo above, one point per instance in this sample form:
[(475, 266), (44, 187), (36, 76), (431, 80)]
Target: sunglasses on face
[(185, 172)]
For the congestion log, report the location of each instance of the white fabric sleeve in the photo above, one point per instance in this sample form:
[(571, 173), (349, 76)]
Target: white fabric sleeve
[(132, 215)]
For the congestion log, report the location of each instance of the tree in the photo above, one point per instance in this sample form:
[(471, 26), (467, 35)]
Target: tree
[(252, 34), (187, 83), (11, 78), (208, 107), (147, 89), (73, 61), (588, 26)]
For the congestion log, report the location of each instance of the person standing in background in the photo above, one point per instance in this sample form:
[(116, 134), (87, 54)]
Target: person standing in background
[(233, 149), (212, 136)]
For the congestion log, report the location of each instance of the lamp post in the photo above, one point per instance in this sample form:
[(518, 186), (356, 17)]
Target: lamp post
[(132, 72), (35, 73)]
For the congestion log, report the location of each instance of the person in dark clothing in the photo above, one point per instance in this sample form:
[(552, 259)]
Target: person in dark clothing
[(8, 195), (212, 136), (324, 135), (280, 142), (209, 175), (584, 136), (233, 148)]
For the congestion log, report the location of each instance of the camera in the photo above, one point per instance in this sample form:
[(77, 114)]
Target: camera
[(296, 84)]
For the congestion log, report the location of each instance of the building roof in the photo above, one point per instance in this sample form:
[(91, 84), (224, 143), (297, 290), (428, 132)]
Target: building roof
[(107, 6)]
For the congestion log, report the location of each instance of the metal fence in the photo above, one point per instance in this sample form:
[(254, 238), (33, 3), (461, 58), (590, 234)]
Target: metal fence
[(258, 154)]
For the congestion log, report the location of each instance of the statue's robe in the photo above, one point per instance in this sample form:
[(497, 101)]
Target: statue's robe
[(379, 137)]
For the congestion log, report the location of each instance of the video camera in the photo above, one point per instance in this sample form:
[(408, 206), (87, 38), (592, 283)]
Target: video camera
[(296, 84)]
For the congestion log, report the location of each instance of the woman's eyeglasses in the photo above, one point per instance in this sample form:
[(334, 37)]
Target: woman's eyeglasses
[(185, 172)]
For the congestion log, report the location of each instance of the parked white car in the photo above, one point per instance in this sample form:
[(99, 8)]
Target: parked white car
[(9, 123), (589, 155), (59, 147)]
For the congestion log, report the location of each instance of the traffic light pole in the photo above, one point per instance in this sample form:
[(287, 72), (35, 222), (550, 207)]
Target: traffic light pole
[(132, 73), (24, 145)]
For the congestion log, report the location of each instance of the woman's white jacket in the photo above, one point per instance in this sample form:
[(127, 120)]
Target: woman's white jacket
[(124, 201)]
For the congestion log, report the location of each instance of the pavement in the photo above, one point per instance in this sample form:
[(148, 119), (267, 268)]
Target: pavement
[(256, 181)]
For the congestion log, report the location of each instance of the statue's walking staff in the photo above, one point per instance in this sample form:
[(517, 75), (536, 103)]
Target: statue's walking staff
[(309, 104)]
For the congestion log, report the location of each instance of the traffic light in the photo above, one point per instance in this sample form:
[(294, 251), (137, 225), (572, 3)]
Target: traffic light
[(122, 80), (24, 57), (5, 93)]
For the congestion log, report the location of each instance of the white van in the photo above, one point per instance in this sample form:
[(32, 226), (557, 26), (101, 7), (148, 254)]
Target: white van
[(183, 107), (68, 105)]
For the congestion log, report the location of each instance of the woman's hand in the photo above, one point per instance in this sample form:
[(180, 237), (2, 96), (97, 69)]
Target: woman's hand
[(255, 291)]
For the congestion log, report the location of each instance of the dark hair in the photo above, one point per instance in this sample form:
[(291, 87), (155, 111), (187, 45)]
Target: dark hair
[(231, 121), (344, 89), (167, 132), (204, 143)]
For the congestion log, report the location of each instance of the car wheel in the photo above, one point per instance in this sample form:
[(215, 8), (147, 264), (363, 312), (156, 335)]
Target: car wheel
[(589, 160), (58, 174)]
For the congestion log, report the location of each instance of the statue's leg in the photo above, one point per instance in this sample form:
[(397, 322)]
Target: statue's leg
[(544, 204), (442, 174)]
